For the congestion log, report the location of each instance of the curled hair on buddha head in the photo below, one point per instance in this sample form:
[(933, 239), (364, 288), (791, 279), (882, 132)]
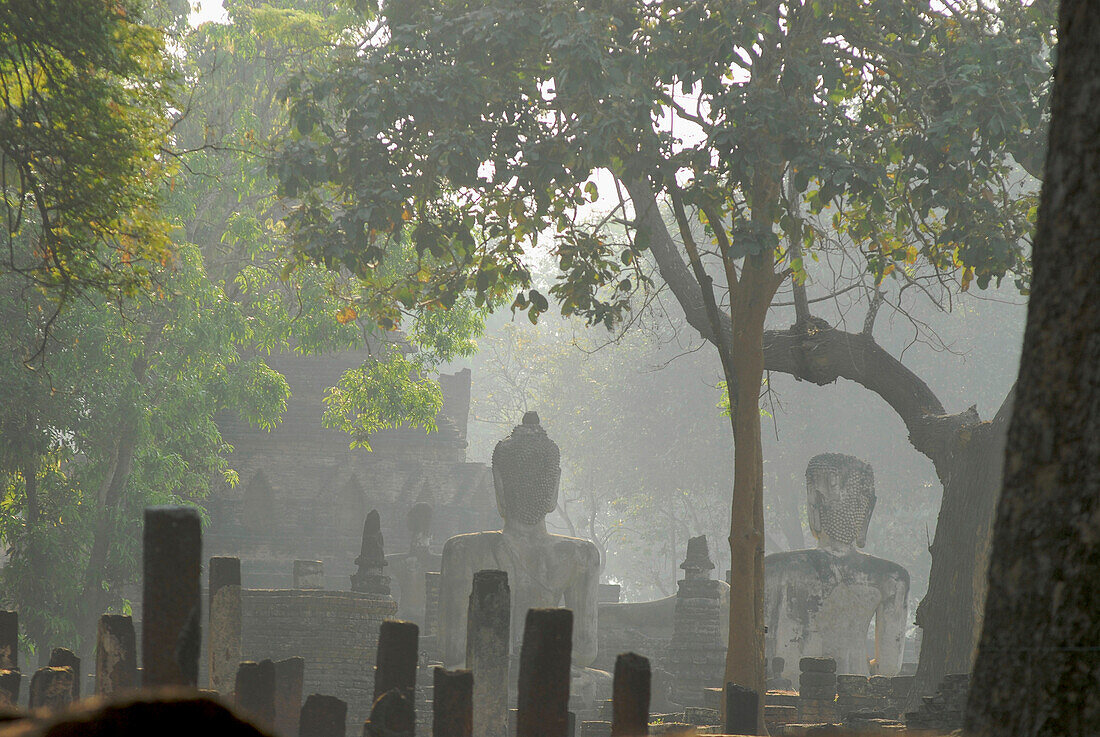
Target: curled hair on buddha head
[(526, 471), (845, 515)]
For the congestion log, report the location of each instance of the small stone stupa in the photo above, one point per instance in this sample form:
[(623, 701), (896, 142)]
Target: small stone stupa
[(369, 579)]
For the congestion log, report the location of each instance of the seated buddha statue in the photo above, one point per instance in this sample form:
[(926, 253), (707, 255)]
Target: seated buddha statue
[(544, 570), (821, 602)]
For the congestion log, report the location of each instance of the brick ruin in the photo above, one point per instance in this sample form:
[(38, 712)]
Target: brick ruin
[(303, 493)]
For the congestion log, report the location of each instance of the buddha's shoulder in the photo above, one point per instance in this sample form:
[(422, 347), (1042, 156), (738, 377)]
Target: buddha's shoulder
[(794, 558), (472, 541), (576, 547)]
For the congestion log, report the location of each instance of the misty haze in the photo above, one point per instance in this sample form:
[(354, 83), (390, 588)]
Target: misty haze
[(550, 368)]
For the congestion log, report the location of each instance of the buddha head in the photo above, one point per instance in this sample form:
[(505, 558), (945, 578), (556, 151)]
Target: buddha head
[(840, 493), (526, 473)]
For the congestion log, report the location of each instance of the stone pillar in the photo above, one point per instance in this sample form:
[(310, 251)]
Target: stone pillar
[(254, 693), (487, 641), (544, 669), (630, 696), (171, 631), (323, 716), (10, 681), (115, 654), (392, 715), (742, 709), (696, 657), (51, 688), (817, 690), (63, 657), (431, 603), (398, 656), (224, 641), (9, 640), (289, 675), (309, 574), (452, 703)]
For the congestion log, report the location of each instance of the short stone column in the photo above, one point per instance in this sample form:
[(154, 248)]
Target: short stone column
[(309, 574), (544, 670), (452, 703), (368, 577), (392, 715), (10, 681), (51, 688), (115, 654), (9, 640), (742, 709), (289, 676), (817, 690), (398, 657), (431, 603), (630, 696), (323, 716), (63, 657), (171, 631), (254, 691), (487, 641), (696, 657), (224, 642)]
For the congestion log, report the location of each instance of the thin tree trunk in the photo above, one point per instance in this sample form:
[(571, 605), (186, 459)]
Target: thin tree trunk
[(1038, 663)]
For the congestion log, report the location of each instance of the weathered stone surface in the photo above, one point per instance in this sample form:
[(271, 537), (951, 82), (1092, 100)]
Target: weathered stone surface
[(10, 681), (544, 674), (431, 603), (817, 665), (116, 654), (742, 708), (9, 640), (224, 642), (630, 710), (452, 703), (368, 578), (393, 715), (944, 712), (309, 574), (51, 688), (395, 667), (821, 602), (543, 569), (303, 495), (487, 640), (171, 628), (335, 631), (63, 657), (254, 691), (289, 677), (696, 654), (323, 716)]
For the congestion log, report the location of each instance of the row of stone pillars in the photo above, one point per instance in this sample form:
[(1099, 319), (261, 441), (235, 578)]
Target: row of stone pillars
[(461, 703)]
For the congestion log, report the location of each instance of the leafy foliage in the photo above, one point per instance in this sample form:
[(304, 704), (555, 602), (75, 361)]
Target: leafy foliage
[(83, 127)]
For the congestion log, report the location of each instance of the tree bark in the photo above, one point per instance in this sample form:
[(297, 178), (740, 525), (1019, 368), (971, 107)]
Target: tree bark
[(1039, 657), (950, 615)]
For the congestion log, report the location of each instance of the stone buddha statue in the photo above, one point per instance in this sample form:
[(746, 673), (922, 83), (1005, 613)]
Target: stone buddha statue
[(408, 569), (544, 570), (820, 602)]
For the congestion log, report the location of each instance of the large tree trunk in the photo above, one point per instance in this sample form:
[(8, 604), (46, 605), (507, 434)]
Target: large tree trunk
[(950, 615), (1038, 663)]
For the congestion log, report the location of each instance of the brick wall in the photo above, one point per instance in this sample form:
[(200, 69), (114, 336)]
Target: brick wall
[(335, 631)]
